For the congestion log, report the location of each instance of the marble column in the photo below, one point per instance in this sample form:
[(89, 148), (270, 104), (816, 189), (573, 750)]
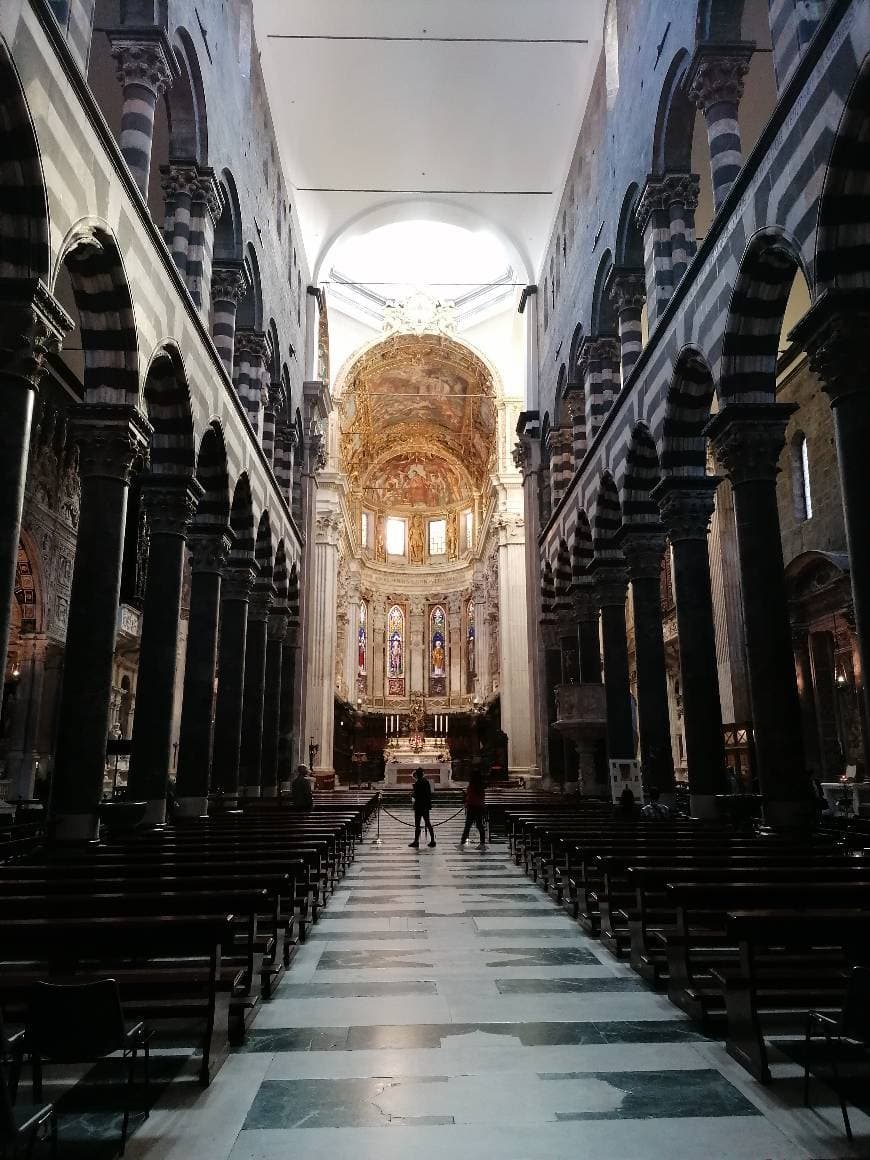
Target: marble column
[(22, 749), (145, 71), (514, 684), (250, 353), (654, 222), (686, 506), (527, 460), (111, 437), (833, 333), (272, 701), (716, 76), (210, 549), (228, 284), (681, 192), (205, 212), (29, 331), (170, 504), (643, 552), (748, 439), (256, 643), (235, 595), (179, 181), (806, 697), (628, 294), (322, 603), (611, 586)]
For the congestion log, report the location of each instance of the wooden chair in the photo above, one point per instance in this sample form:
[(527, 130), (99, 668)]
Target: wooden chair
[(22, 1125), (851, 1025), (82, 1023)]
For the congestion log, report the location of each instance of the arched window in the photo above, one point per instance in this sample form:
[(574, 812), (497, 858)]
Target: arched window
[(437, 651), (362, 641), (396, 652), (470, 651), (800, 474)]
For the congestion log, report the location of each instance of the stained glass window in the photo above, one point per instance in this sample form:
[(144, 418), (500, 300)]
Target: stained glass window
[(396, 641), (469, 644), (362, 639), (438, 625)]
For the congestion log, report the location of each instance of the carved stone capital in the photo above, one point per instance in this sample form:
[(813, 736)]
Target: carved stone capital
[(29, 332), (228, 282), (252, 345), (653, 197), (260, 604), (329, 528), (681, 189), (643, 552), (716, 73), (210, 549), (611, 582), (110, 438), (170, 502), (686, 505), (833, 332), (208, 190), (628, 290), (586, 604), (748, 439), (604, 348), (237, 583), (180, 177), (143, 57)]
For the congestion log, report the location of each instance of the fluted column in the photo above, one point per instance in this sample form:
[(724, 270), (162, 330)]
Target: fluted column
[(145, 71), (170, 504), (29, 331), (748, 441), (228, 284), (680, 192), (611, 586), (654, 222), (272, 700), (643, 552), (716, 77), (686, 505), (834, 335), (250, 758), (515, 685), (321, 608), (235, 594), (628, 294), (209, 550), (110, 439)]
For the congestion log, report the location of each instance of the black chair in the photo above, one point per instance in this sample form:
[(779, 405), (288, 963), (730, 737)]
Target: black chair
[(82, 1023), (23, 1125), (851, 1025)]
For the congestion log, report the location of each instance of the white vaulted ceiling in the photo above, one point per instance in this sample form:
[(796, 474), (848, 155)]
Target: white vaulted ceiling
[(468, 114)]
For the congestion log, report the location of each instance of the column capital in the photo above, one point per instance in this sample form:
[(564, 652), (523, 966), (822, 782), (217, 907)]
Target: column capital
[(170, 502), (30, 331), (329, 527), (653, 197), (110, 438), (833, 333), (681, 189), (237, 583), (228, 282), (208, 190), (585, 599), (210, 549), (253, 343), (686, 504), (748, 438), (180, 177), (278, 623), (603, 346), (643, 551), (716, 72), (611, 582), (628, 289), (143, 57)]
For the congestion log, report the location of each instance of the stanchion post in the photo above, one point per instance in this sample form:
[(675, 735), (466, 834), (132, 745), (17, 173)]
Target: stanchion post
[(377, 840)]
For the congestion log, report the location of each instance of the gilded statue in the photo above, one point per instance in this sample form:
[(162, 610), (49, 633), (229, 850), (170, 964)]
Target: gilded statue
[(381, 542), (452, 535), (415, 540)]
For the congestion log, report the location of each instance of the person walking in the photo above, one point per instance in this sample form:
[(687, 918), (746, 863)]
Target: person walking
[(475, 804), (421, 796)]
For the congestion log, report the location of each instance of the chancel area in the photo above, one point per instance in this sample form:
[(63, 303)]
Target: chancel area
[(449, 419)]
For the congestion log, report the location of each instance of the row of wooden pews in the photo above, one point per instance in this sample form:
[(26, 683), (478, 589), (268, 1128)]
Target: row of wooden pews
[(746, 930), (197, 921)]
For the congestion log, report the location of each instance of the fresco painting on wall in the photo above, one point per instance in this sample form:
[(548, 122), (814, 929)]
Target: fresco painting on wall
[(413, 480)]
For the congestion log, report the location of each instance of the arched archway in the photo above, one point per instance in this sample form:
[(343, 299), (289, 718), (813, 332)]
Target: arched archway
[(690, 394), (213, 511), (167, 401), (642, 473)]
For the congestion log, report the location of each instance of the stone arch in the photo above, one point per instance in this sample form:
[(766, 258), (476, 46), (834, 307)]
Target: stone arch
[(188, 122), (629, 243), (642, 473), (167, 401), (213, 510), (687, 409), (560, 408), (242, 524), (24, 250), (228, 243), (603, 314), (107, 326), (581, 547), (250, 312), (750, 346), (574, 352), (606, 520), (675, 121), (264, 558), (843, 239)]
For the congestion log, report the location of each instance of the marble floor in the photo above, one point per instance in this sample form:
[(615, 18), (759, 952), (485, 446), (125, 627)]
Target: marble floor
[(445, 1007)]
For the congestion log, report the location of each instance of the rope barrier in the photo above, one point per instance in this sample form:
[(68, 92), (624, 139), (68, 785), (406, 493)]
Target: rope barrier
[(411, 825)]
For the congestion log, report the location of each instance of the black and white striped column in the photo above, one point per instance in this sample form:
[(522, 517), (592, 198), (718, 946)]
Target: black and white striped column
[(681, 195), (228, 285), (205, 212), (653, 221), (577, 406), (589, 366), (628, 294), (608, 347), (145, 71), (283, 461), (716, 76), (250, 356), (561, 467), (180, 181)]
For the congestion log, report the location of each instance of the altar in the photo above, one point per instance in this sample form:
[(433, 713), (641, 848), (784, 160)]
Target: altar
[(405, 754)]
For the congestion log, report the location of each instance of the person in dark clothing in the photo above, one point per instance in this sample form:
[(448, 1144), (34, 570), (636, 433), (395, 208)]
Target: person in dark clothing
[(626, 807), (655, 808), (421, 795), (300, 790), (475, 805)]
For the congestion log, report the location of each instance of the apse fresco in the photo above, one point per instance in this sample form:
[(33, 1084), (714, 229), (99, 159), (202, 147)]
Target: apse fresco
[(414, 480)]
